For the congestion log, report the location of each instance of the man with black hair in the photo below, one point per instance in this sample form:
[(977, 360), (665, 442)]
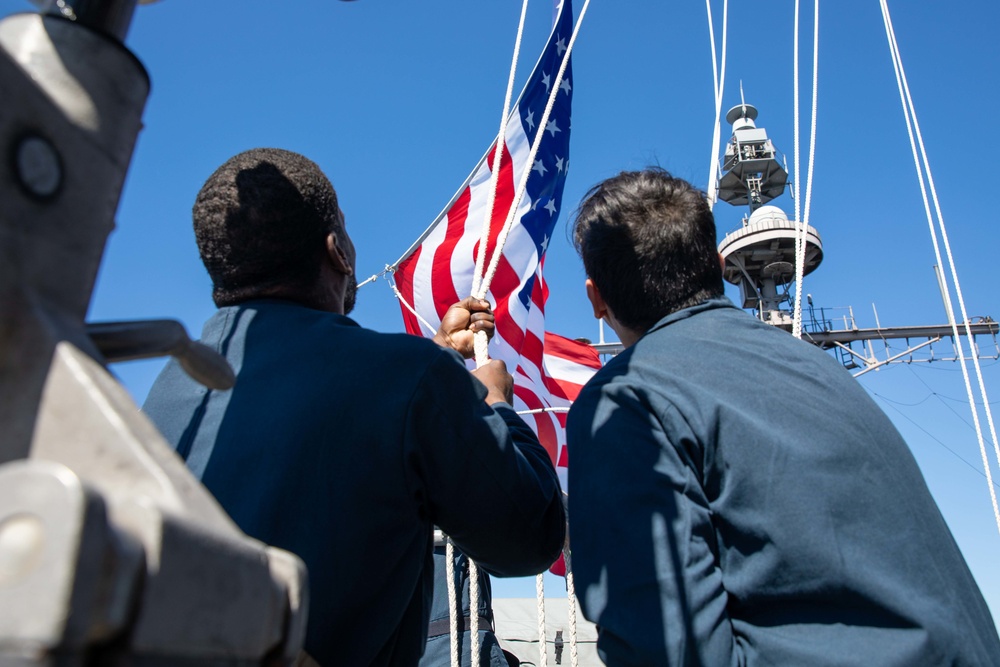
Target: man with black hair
[(735, 497), (343, 445)]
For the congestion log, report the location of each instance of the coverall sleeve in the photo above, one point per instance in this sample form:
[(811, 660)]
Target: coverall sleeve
[(487, 480), (643, 548)]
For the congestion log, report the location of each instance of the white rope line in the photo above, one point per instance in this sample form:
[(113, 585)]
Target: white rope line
[(480, 343), (951, 260), (910, 111), (449, 569), (803, 225), (473, 613), (537, 411), (480, 340), (497, 155), (373, 277), (574, 658), (795, 116), (540, 598), (719, 82), (522, 186), (399, 296), (796, 192)]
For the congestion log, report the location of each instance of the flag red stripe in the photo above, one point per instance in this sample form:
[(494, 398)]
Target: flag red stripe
[(442, 285), (404, 283), (544, 429)]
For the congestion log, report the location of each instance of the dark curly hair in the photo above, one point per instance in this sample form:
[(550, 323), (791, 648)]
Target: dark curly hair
[(647, 240), (261, 221)]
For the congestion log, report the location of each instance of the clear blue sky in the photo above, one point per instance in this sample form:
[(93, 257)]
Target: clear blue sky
[(397, 100)]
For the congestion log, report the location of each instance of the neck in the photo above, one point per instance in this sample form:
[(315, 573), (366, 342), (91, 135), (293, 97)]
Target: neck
[(627, 336), (316, 299)]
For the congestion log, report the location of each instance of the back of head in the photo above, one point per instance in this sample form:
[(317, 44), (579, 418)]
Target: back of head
[(261, 221), (647, 241)]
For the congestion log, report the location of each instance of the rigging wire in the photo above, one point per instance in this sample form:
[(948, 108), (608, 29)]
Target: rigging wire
[(719, 82), (802, 224), (921, 160), (961, 458), (942, 398)]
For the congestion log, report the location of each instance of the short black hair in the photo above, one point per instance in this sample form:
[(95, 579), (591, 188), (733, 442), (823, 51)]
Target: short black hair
[(647, 240), (261, 222)]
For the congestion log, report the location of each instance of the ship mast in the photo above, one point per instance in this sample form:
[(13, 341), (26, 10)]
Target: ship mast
[(760, 257)]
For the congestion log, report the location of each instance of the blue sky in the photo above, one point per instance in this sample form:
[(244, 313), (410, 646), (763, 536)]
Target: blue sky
[(397, 100)]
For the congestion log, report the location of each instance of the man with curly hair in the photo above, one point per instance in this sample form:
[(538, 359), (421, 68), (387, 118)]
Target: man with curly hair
[(340, 444)]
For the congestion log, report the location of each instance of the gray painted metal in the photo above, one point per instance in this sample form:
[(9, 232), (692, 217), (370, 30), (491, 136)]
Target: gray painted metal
[(753, 174), (827, 339), (516, 621), (110, 551)]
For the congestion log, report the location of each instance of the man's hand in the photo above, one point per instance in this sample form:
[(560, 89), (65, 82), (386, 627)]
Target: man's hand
[(461, 322), (499, 383)]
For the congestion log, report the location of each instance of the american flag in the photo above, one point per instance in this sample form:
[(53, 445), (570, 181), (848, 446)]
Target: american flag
[(548, 370)]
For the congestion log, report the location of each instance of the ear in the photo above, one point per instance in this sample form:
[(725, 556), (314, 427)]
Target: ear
[(596, 300), (338, 258)]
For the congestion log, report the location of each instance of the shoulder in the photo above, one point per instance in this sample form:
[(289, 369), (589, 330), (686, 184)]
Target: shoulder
[(619, 384), (322, 327)]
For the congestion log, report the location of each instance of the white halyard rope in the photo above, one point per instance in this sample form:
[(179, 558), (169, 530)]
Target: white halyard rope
[(803, 222), (480, 339), (473, 613), (913, 127), (480, 290), (399, 296), (449, 554), (522, 186), (497, 155), (795, 120), (719, 82), (574, 658), (538, 411), (480, 343), (540, 608)]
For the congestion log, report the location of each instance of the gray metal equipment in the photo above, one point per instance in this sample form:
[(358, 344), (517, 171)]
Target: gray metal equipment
[(760, 259), (110, 551)]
